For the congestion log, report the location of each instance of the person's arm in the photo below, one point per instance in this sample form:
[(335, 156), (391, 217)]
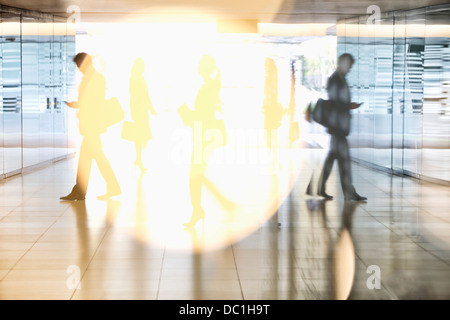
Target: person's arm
[(72, 104), (355, 105), (186, 115)]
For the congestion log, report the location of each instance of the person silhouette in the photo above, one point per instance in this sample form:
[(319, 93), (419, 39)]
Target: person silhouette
[(91, 116), (140, 106), (339, 93), (272, 109), (208, 133)]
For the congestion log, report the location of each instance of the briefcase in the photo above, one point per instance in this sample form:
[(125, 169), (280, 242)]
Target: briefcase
[(333, 115), (113, 112), (129, 131)]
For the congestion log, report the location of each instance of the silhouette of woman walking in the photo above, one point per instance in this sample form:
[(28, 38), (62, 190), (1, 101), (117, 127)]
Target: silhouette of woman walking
[(140, 106), (208, 132)]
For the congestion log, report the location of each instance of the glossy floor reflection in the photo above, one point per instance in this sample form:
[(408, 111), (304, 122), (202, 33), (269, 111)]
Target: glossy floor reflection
[(309, 249)]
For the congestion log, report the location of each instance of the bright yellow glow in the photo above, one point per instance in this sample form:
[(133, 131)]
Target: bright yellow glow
[(243, 182)]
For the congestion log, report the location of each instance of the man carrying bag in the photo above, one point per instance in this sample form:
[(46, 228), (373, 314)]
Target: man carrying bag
[(334, 114), (95, 115)]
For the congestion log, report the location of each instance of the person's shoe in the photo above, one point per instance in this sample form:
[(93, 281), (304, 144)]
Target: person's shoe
[(356, 197), (197, 215), (325, 195), (73, 197), (109, 194), (140, 165)]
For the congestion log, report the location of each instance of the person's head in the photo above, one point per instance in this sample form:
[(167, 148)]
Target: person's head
[(138, 67), (207, 66), (345, 62), (83, 61)]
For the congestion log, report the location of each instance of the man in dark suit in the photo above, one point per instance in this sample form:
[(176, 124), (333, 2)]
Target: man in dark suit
[(339, 93), (91, 116)]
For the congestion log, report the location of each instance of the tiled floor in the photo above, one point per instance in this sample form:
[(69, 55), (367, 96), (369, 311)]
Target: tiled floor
[(134, 247)]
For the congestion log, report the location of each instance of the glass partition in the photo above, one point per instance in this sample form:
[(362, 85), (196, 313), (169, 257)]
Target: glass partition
[(30, 90), (72, 90), (398, 92), (402, 76), (366, 86), (382, 103), (352, 46), (59, 88), (12, 92), (436, 91), (412, 130), (46, 89), (2, 171), (34, 49)]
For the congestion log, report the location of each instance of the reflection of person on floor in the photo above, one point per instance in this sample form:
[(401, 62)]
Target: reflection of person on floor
[(272, 109), (341, 253), (344, 256), (91, 100), (208, 133), (84, 243), (339, 93), (140, 105)]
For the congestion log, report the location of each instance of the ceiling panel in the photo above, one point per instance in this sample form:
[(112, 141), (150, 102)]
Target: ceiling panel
[(275, 11)]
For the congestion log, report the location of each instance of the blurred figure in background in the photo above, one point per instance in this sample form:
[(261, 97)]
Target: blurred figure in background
[(294, 130), (272, 109), (140, 106), (339, 93), (208, 133), (92, 118)]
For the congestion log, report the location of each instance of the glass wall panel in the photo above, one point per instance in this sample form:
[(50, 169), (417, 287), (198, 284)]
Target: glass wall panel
[(366, 74), (34, 82), (402, 75), (12, 97), (1, 102), (72, 89), (415, 43), (382, 103), (46, 89), (59, 89), (398, 92), (341, 37), (436, 102), (352, 47), (30, 90)]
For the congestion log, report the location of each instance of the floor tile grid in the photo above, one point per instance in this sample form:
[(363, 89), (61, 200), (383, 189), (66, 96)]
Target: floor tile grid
[(368, 210), (19, 179), (395, 230)]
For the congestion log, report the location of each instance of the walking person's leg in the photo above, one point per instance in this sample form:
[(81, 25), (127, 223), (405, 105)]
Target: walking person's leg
[(83, 171), (196, 180), (345, 172), (326, 170), (139, 145), (106, 170)]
